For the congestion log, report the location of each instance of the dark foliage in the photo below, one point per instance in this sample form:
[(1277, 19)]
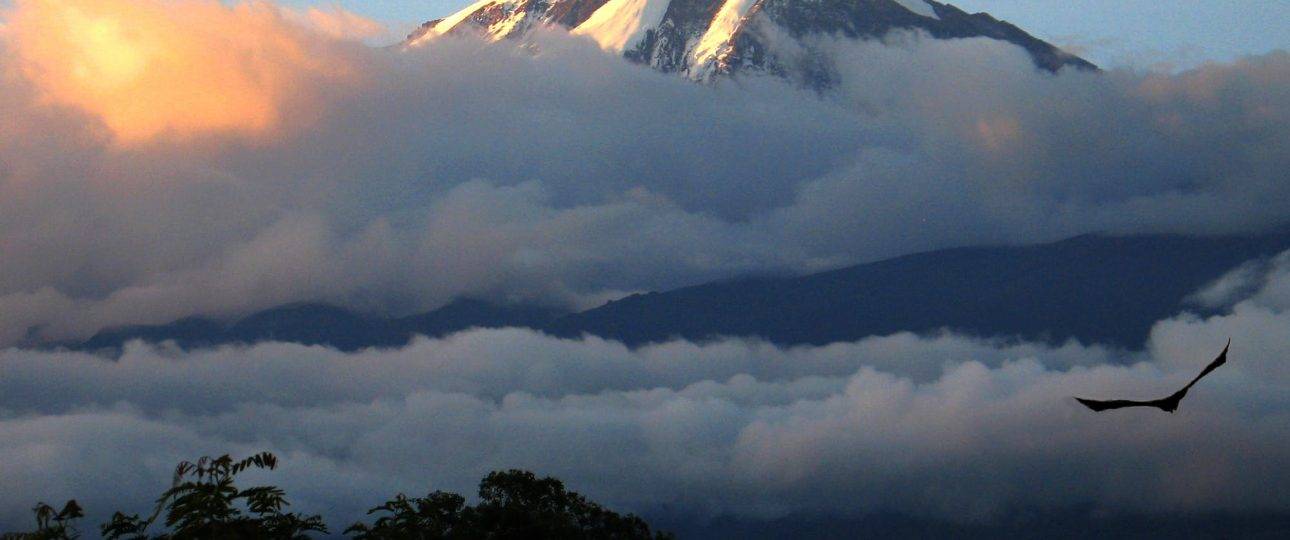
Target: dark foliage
[(204, 503), (513, 504), (52, 524)]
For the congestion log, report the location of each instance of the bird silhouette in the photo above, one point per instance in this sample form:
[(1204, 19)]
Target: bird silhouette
[(1169, 404)]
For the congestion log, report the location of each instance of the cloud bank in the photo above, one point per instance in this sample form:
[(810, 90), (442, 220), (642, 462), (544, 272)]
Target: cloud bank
[(160, 159), (945, 427)]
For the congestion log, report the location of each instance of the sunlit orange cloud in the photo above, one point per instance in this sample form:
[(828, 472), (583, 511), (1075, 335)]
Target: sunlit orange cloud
[(174, 67), (341, 24)]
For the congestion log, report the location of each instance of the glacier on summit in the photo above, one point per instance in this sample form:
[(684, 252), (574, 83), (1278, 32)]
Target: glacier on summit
[(701, 39)]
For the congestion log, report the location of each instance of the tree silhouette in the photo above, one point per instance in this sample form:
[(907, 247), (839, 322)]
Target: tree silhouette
[(437, 515), (203, 502), (513, 504), (52, 524)]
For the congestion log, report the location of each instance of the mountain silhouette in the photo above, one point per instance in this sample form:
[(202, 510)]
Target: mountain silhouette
[(323, 324), (1093, 288)]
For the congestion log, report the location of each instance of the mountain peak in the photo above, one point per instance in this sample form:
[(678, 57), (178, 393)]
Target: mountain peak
[(703, 38)]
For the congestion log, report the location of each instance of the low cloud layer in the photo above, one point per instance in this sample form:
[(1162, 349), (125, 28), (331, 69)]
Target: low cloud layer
[(946, 427), (394, 181)]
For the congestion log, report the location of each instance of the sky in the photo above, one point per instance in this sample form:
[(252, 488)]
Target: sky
[(1112, 33), (166, 159)]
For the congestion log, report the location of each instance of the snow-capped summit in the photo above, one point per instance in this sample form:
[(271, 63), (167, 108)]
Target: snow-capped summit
[(500, 19), (703, 38)]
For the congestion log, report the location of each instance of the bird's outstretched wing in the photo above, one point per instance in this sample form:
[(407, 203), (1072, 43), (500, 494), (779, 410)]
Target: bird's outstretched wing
[(1102, 405), (1168, 404), (1222, 359)]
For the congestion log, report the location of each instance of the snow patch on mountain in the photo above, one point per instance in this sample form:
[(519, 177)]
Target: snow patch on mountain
[(716, 41), (449, 22), (508, 25), (919, 7), (621, 24)]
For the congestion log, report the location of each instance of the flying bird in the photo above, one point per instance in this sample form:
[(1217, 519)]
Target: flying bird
[(1169, 404)]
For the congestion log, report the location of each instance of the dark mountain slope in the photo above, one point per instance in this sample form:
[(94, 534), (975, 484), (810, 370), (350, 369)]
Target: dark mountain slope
[(322, 324), (1092, 288)]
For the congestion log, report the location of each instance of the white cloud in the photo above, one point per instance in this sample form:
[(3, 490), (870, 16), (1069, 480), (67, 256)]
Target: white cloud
[(395, 181), (942, 426)]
